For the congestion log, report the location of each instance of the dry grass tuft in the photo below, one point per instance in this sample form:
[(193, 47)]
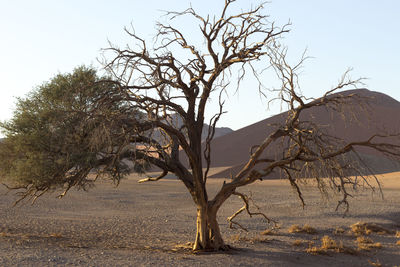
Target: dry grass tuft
[(364, 240), (368, 247), (56, 235), (29, 236), (328, 244), (376, 264), (398, 234), (366, 243), (362, 228), (180, 247), (236, 238), (316, 250), (297, 243), (376, 245), (268, 232), (295, 228), (339, 231)]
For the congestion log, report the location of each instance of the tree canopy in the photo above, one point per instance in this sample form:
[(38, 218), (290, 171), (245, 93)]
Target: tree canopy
[(64, 130)]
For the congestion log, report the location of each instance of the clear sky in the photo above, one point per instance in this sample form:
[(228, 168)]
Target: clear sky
[(44, 37)]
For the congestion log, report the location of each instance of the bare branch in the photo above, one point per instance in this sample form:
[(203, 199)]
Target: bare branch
[(153, 179), (210, 136)]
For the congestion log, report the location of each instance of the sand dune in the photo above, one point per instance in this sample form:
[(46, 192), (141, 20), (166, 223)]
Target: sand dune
[(382, 116)]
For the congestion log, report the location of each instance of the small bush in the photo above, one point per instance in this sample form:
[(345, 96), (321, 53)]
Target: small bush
[(398, 234), (369, 246), (316, 250), (376, 245), (366, 243), (268, 232), (362, 228), (339, 231), (56, 235), (376, 264), (364, 240), (295, 228), (328, 244), (299, 242)]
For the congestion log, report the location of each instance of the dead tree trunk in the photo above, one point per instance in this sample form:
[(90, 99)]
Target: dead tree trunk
[(208, 235)]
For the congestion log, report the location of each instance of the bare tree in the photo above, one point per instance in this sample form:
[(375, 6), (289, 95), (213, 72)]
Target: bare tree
[(160, 84), (176, 79)]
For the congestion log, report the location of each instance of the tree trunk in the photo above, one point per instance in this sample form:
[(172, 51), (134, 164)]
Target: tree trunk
[(208, 236)]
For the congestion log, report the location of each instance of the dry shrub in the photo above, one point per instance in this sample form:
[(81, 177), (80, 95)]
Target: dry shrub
[(316, 250), (29, 236), (268, 232), (376, 245), (299, 242), (376, 264), (236, 238), (180, 247), (362, 228), (328, 244), (295, 228), (364, 240), (366, 243), (398, 234), (339, 231), (56, 235), (368, 247)]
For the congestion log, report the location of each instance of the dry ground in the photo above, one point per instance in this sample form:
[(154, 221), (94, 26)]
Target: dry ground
[(141, 224)]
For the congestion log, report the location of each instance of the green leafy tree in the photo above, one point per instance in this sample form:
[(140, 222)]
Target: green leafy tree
[(64, 130)]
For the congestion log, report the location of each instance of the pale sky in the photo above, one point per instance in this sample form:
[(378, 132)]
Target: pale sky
[(44, 37)]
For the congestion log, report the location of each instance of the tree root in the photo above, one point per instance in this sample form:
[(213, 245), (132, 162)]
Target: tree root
[(223, 248)]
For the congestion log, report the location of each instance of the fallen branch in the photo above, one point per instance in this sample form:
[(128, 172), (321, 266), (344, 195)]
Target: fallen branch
[(246, 199), (153, 179)]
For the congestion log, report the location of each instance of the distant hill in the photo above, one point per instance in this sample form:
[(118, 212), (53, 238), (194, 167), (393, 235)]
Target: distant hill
[(384, 115), (177, 122), (219, 131)]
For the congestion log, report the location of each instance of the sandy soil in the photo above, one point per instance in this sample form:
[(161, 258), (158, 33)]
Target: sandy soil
[(142, 224)]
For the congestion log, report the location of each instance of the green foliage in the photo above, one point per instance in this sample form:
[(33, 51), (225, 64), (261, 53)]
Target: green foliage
[(64, 130)]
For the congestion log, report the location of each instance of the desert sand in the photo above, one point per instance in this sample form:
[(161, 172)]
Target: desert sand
[(152, 224)]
